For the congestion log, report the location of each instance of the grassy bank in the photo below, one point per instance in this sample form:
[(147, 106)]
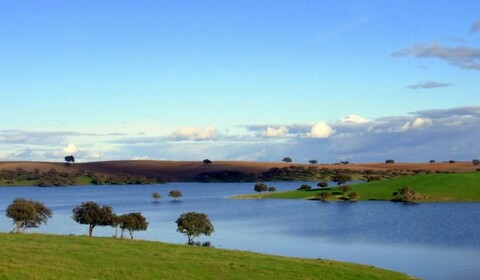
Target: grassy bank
[(458, 187), (35, 256)]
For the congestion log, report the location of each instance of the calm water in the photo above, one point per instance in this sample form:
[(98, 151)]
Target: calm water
[(431, 241)]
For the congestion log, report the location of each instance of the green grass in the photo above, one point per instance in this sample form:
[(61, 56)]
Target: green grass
[(458, 187), (37, 256)]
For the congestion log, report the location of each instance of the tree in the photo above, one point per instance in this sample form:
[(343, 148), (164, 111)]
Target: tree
[(341, 178), (389, 161), (193, 224), (432, 161), (175, 194), (475, 161), (322, 184), (287, 159), (312, 161), (132, 222), (260, 187), (27, 214), (304, 188), (69, 159), (323, 196), (406, 195), (91, 214), (352, 196), (156, 196), (271, 189), (207, 162), (344, 162)]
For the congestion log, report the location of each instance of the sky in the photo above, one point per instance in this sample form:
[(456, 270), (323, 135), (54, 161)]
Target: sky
[(254, 80)]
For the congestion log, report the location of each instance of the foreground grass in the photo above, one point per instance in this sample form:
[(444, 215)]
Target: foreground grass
[(458, 187), (36, 256)]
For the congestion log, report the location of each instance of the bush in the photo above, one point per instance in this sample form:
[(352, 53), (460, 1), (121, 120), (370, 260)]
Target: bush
[(389, 161), (322, 184), (476, 162), (323, 196), (451, 161), (304, 188), (432, 161), (271, 189)]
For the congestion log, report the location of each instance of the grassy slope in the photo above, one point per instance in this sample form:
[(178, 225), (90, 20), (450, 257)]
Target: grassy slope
[(35, 256), (434, 188)]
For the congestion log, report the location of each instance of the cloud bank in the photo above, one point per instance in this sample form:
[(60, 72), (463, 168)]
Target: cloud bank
[(440, 134), (428, 85)]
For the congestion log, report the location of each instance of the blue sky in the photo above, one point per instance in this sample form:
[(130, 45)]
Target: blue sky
[(241, 80)]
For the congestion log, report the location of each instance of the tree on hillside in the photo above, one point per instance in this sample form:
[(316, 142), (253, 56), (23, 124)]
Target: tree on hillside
[(193, 224), (27, 214), (323, 196), (69, 159), (260, 187), (406, 194), (389, 161), (132, 222), (345, 189), (341, 178), (475, 161), (322, 184), (352, 196), (287, 159), (156, 196), (207, 161), (175, 194), (312, 161), (91, 214)]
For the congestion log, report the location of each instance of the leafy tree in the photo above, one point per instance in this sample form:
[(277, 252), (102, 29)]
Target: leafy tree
[(389, 161), (91, 214), (156, 196), (27, 214), (406, 195), (451, 161), (207, 162), (271, 189), (193, 224), (304, 188), (132, 222), (322, 184), (312, 161), (341, 178), (175, 194), (352, 196), (323, 196), (432, 161), (69, 159), (345, 162), (260, 187), (475, 162), (287, 159)]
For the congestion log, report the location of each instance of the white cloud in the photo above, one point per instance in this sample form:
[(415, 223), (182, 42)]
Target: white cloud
[(421, 122), (354, 119), (70, 149), (196, 134), (275, 132), (321, 130)]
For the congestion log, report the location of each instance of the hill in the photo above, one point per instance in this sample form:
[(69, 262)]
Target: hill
[(37, 256), (187, 171)]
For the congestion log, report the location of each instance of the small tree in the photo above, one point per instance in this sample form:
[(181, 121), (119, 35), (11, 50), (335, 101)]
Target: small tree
[(475, 162), (352, 196), (322, 184), (304, 187), (27, 214), (193, 224), (69, 159), (287, 159), (175, 194), (432, 161), (260, 187), (406, 195), (323, 196), (341, 178), (91, 214), (345, 162), (312, 161), (389, 161), (271, 189), (132, 222), (207, 162), (156, 196)]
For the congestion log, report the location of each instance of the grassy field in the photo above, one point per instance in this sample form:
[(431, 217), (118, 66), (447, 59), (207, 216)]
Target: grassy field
[(37, 256), (460, 187)]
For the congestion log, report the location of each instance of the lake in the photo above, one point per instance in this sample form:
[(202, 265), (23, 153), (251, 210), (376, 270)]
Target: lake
[(427, 240)]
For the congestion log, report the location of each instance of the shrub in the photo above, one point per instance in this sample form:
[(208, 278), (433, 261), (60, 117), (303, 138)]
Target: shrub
[(304, 188), (476, 162), (389, 161), (323, 196), (322, 184)]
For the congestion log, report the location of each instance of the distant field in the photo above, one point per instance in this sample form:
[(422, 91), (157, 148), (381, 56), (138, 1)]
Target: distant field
[(36, 256), (460, 187), (186, 171)]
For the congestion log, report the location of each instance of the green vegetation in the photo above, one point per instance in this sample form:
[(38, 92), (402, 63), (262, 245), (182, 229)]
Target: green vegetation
[(193, 224), (35, 256), (27, 214), (175, 194), (461, 187)]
